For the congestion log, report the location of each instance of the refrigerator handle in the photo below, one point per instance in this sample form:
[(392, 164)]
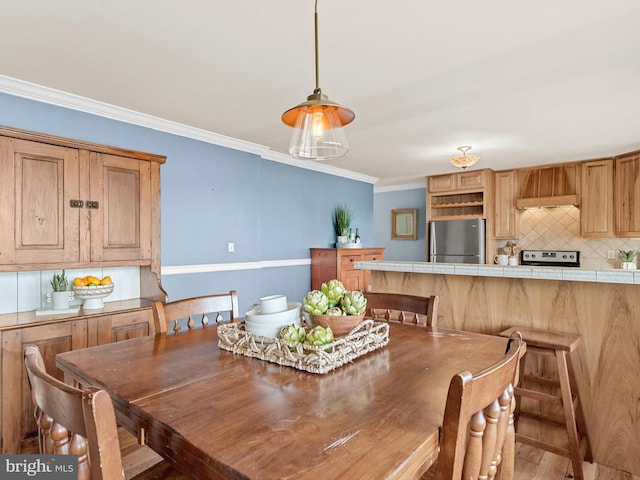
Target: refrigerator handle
[(432, 242)]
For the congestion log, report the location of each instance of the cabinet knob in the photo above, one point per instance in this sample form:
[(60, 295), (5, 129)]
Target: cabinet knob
[(93, 204), (76, 203)]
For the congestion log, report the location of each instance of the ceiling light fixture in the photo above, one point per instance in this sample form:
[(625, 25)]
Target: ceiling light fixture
[(318, 122), (463, 161)]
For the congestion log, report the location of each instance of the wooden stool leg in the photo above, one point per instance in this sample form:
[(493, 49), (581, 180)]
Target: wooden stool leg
[(569, 413), (580, 418)]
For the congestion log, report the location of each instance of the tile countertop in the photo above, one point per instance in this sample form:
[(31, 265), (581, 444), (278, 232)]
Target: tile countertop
[(574, 274)]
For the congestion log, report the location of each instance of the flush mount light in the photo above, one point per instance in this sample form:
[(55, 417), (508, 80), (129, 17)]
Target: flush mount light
[(318, 122), (464, 161)]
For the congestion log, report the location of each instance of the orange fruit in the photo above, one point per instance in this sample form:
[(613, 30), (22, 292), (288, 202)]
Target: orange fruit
[(80, 282), (106, 281), (92, 280)]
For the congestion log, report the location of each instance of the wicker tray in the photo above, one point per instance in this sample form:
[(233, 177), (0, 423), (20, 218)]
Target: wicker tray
[(364, 338)]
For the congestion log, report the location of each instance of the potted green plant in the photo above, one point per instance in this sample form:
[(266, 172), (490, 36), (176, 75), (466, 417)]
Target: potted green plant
[(342, 217), (60, 296), (628, 259)]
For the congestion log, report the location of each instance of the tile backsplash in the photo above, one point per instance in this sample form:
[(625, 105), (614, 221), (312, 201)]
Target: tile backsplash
[(559, 229), (25, 291)]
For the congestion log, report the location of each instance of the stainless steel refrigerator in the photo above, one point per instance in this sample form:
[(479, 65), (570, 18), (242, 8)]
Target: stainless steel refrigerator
[(457, 241)]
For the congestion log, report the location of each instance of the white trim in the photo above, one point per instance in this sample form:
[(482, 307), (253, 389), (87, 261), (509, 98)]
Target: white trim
[(32, 91), (395, 188), (228, 267)]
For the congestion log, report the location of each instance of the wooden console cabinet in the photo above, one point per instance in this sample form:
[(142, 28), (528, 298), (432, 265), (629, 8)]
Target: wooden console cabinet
[(330, 263)]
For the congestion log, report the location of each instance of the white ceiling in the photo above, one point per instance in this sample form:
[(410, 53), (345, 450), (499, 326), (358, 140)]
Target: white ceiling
[(522, 82)]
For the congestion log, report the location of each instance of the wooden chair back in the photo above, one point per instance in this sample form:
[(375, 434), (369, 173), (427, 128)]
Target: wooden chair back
[(397, 307), (73, 421), (167, 315), (477, 438)]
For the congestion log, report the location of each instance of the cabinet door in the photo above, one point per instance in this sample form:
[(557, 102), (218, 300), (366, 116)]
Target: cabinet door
[(123, 326), (473, 179), (506, 213), (442, 183), (17, 408), (596, 209), (121, 220), (627, 198), (38, 183)]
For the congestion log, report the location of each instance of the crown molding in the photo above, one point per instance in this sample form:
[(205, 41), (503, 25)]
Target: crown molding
[(396, 188), (39, 93)]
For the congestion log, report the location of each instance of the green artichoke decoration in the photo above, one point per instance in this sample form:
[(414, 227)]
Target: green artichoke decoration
[(334, 290), (353, 303), (316, 303)]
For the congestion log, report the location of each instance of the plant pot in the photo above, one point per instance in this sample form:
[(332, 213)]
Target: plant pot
[(59, 300), (342, 239), (340, 324), (628, 265)]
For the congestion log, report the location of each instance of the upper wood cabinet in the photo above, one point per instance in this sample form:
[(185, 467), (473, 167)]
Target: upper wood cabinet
[(507, 216), (37, 184), (473, 179), (65, 202), (627, 195), (596, 208), (460, 195)]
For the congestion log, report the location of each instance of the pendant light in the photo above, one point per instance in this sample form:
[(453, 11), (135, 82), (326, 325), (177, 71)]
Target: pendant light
[(463, 161), (318, 122)]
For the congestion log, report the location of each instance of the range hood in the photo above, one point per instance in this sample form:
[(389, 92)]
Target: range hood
[(552, 186)]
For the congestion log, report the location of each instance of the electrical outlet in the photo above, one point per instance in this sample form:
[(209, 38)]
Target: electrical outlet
[(611, 254), (231, 247)]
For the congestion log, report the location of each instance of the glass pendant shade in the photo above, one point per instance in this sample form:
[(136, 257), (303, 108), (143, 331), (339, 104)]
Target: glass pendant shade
[(464, 161), (318, 132), (318, 122)]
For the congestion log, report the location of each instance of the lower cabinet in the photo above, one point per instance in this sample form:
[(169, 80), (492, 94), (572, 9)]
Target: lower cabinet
[(17, 422), (330, 263)]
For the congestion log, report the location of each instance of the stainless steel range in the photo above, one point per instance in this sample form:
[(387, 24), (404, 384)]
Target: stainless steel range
[(550, 258)]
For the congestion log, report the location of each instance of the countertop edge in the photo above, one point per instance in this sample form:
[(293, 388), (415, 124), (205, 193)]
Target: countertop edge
[(536, 273)]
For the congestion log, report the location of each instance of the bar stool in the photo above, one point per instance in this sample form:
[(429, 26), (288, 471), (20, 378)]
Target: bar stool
[(558, 345)]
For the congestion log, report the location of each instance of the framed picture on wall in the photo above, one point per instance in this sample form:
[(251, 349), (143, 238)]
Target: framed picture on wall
[(404, 224)]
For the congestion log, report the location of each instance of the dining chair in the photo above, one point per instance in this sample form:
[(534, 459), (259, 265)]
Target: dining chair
[(79, 422), (398, 307), (170, 313), (477, 439)]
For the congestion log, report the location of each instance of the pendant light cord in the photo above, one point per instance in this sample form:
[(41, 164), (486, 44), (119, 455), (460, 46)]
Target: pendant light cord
[(315, 16)]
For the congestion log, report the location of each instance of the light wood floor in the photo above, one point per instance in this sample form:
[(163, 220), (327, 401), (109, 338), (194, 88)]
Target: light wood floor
[(531, 463)]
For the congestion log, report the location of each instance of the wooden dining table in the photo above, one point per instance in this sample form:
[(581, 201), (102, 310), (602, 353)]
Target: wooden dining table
[(217, 414)]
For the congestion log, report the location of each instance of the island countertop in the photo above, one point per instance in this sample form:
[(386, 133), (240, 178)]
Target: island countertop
[(576, 274)]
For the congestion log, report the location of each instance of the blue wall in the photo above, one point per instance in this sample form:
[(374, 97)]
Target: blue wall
[(212, 195), (407, 250)]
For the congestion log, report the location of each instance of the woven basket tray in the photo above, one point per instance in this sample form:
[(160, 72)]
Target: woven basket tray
[(366, 337)]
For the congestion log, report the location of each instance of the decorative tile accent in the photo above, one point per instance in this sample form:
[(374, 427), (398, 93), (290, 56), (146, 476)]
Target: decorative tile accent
[(546, 273), (489, 271), (465, 270), (615, 276), (559, 229), (423, 267), (444, 268), (517, 272), (580, 275)]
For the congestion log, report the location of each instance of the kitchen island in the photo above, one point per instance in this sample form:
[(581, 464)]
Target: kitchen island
[(602, 306)]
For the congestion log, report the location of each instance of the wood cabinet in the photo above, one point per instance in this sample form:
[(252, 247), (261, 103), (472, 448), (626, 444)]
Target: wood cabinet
[(330, 263), (507, 216), (460, 195), (52, 336), (451, 182), (627, 195), (68, 203), (596, 206)]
